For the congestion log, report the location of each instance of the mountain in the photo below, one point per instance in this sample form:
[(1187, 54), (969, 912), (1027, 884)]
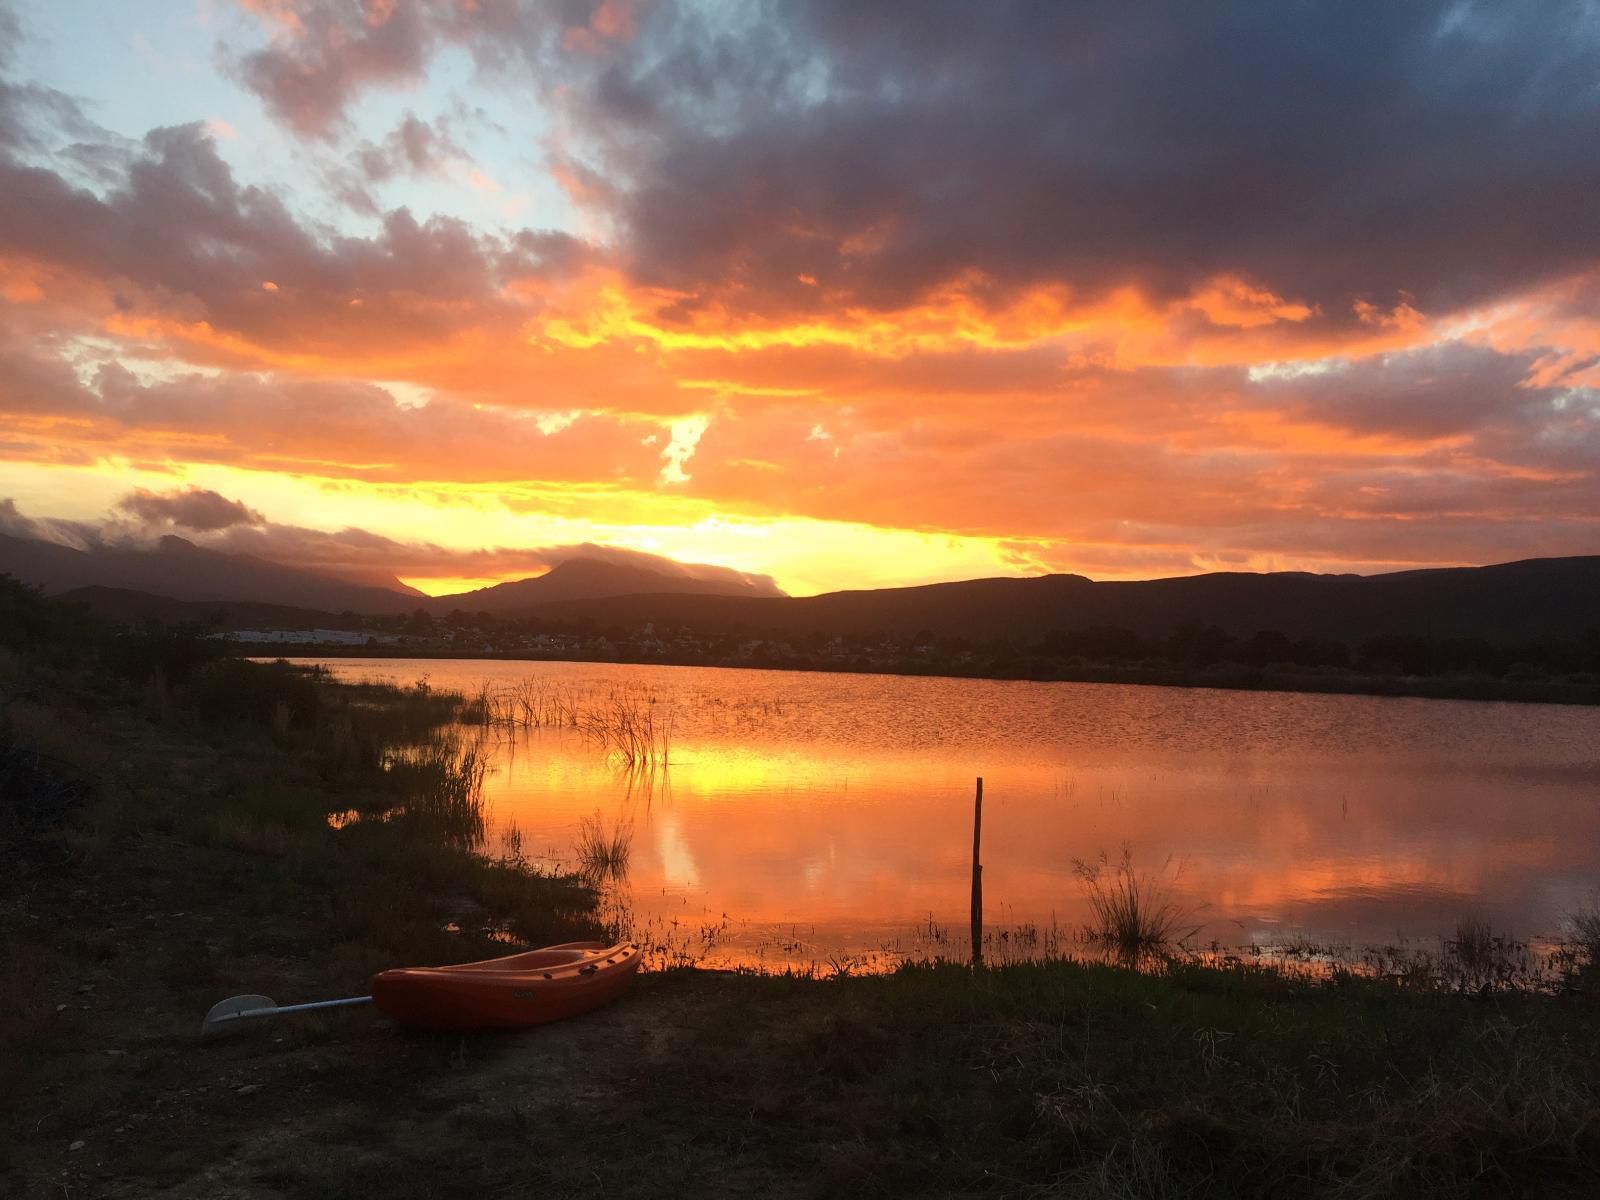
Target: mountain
[(1554, 597), (120, 606), (1534, 598), (179, 569), (585, 579)]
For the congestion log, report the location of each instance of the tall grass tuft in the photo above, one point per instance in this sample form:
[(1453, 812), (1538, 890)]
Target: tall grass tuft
[(1475, 944), (629, 730), (441, 779), (1582, 941), (531, 703), (1136, 915), (1584, 925), (603, 853)]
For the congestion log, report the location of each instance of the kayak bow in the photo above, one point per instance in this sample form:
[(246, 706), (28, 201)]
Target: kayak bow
[(507, 993)]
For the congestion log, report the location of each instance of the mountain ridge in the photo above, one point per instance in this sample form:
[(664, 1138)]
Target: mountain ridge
[(178, 569), (1520, 600)]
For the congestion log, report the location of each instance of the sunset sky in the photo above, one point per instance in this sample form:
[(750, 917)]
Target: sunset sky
[(846, 294)]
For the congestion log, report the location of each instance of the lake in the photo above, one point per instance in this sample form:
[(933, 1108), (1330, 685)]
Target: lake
[(808, 818)]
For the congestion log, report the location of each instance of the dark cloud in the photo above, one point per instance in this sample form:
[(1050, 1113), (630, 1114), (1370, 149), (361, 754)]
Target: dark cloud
[(198, 509), (1333, 152), (326, 52), (1435, 391), (415, 146)]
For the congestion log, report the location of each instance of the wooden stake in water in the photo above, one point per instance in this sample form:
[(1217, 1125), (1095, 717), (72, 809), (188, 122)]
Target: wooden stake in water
[(977, 878)]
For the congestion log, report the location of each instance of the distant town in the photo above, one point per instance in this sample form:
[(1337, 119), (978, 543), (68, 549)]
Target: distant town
[(481, 635), (1192, 654)]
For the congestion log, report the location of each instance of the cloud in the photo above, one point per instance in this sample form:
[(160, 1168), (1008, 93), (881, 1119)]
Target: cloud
[(193, 508), (332, 428), (325, 53), (1140, 286), (1296, 171), (176, 253), (1325, 158), (72, 534), (415, 146)]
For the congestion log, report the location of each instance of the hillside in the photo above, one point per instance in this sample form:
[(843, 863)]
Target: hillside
[(1558, 597), (176, 569), (1520, 601), (584, 579), (179, 569)]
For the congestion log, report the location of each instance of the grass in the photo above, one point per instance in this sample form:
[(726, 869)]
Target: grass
[(264, 828), (629, 724), (1135, 915), (603, 852), (629, 729), (1054, 1079), (531, 703), (1584, 927), (441, 780), (1474, 942)]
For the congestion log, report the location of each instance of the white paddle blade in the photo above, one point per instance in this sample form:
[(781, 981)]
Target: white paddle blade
[(226, 1013)]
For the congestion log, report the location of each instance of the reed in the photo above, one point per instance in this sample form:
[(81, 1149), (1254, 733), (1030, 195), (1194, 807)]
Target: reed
[(531, 703), (1584, 925), (629, 730), (441, 780), (1134, 914), (603, 852), (1475, 943), (1583, 938)]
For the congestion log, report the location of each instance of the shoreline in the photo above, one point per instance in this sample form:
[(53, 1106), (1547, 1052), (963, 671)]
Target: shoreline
[(1478, 689)]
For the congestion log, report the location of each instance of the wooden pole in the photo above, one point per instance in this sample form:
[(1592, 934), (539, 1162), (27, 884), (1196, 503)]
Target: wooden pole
[(977, 878)]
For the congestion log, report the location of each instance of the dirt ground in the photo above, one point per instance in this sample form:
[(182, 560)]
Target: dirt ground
[(348, 1105)]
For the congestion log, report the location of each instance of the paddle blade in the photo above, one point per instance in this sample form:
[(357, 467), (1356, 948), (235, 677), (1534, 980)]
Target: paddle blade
[(227, 1013)]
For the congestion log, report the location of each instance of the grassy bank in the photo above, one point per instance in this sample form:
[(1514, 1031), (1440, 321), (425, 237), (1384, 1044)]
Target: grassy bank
[(175, 828), (165, 840)]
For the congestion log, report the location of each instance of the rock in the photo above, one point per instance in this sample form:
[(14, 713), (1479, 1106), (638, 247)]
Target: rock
[(78, 1145), (61, 1008), (248, 1089)]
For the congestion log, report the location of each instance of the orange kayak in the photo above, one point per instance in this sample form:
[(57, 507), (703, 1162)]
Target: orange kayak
[(504, 993)]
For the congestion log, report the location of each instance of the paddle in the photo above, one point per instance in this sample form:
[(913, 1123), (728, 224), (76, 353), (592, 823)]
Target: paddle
[(225, 1014)]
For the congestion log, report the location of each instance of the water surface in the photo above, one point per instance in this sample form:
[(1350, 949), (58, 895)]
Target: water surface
[(808, 817)]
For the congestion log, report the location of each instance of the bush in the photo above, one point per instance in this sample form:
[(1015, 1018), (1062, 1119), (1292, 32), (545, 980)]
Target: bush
[(276, 695), (171, 653)]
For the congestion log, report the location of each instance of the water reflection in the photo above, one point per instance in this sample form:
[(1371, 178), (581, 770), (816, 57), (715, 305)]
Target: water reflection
[(807, 819)]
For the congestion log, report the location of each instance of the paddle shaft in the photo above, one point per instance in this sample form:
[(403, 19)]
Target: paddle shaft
[(278, 1010)]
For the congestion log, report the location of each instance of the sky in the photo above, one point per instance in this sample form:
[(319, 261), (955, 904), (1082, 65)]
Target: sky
[(828, 293)]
